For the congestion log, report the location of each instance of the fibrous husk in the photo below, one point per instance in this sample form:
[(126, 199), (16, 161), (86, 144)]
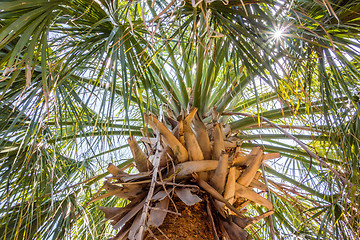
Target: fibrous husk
[(141, 161), (192, 145), (235, 232), (179, 150), (219, 177), (188, 119), (110, 187), (245, 222), (240, 221), (216, 194), (163, 158), (202, 137), (227, 192), (181, 133), (219, 145), (188, 168), (257, 184), (120, 192), (271, 156), (257, 175), (134, 177), (114, 170), (129, 215), (248, 193), (245, 160), (121, 212), (111, 212), (255, 160), (148, 140)]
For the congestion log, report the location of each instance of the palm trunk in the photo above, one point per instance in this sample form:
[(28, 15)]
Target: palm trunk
[(186, 222)]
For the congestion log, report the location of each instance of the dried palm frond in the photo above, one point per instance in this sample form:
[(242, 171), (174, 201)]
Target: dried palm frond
[(229, 187)]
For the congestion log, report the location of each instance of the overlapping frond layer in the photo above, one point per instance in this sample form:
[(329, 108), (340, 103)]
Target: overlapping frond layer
[(79, 75)]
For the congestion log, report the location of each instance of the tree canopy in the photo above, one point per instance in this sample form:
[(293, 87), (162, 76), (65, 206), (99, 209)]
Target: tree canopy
[(79, 75)]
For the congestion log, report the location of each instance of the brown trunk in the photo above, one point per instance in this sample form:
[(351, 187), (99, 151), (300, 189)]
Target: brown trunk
[(194, 223)]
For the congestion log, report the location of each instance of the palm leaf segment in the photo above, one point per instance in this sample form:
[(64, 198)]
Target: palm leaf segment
[(224, 60)]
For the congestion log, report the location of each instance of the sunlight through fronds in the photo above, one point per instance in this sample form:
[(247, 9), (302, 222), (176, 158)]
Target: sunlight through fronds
[(79, 77)]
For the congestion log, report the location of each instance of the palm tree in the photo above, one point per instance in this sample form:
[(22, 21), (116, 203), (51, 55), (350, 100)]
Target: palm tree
[(171, 117)]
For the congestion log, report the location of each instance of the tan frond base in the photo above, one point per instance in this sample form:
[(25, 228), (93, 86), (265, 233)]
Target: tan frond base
[(180, 195)]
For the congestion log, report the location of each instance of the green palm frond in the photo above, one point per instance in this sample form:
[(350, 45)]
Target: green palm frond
[(77, 76)]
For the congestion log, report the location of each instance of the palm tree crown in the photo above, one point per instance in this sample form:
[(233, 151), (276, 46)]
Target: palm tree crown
[(78, 77)]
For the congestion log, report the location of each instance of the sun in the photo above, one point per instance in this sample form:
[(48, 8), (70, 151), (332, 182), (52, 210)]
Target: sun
[(278, 34)]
